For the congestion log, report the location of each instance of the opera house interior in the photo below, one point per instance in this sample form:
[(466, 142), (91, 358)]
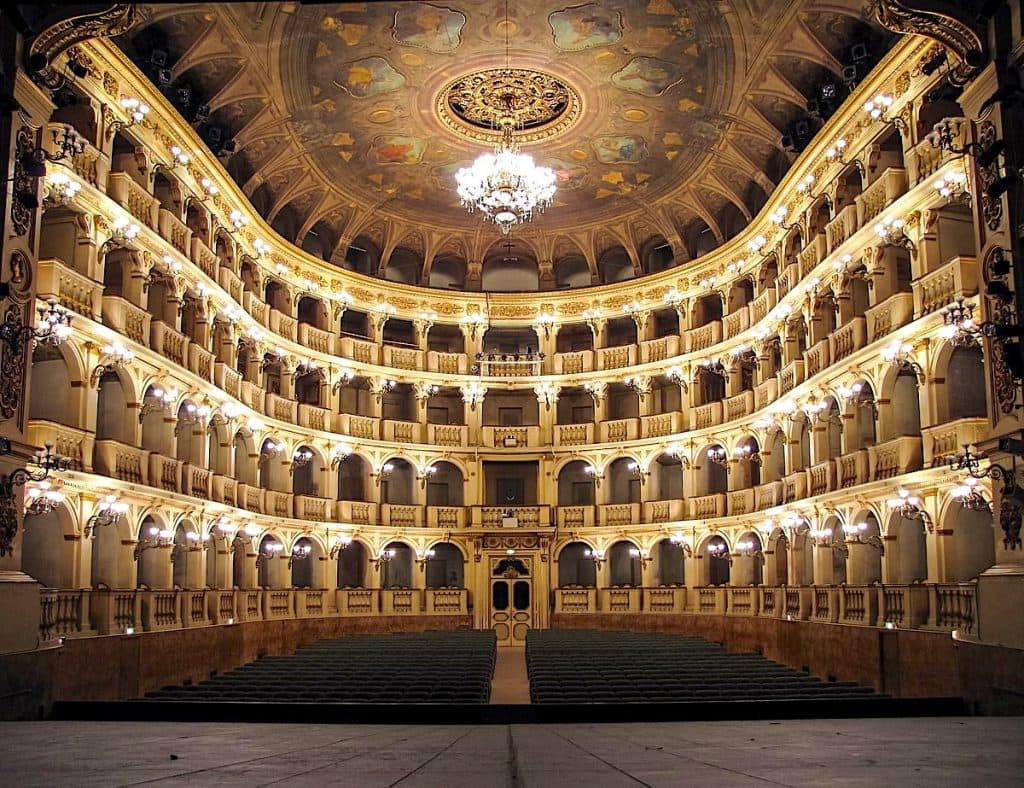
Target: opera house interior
[(471, 332)]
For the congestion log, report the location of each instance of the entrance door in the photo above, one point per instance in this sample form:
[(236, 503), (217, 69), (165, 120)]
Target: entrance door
[(511, 601)]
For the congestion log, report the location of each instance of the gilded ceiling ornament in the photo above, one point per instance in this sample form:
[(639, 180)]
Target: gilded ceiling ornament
[(541, 104)]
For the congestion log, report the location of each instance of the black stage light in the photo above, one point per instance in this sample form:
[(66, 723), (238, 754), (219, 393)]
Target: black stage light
[(158, 57), (998, 188), (990, 154)]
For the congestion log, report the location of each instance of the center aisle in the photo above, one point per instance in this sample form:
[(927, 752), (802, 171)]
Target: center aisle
[(510, 684)]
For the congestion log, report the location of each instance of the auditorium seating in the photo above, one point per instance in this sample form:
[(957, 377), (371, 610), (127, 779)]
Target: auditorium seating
[(421, 667), (589, 666)]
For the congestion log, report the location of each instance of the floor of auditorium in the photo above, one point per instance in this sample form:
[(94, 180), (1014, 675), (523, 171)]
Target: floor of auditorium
[(904, 752)]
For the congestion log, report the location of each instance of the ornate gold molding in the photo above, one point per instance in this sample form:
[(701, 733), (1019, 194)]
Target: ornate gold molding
[(940, 24), (65, 32)]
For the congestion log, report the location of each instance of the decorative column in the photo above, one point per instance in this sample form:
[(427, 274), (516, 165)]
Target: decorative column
[(422, 391), (378, 386), (641, 385), (546, 328), (473, 398), (547, 399), (473, 335), (598, 391), (423, 324)]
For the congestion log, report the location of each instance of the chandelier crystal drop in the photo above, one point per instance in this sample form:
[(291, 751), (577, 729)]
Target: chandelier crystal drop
[(506, 186)]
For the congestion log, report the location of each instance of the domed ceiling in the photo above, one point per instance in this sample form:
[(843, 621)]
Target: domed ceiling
[(661, 118)]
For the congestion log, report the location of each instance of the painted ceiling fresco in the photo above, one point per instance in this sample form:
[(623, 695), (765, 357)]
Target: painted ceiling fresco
[(338, 110)]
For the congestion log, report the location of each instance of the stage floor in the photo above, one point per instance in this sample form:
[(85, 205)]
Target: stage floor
[(930, 752)]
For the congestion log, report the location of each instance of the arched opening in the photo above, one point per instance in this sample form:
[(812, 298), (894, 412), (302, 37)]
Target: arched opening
[(623, 479), (180, 558), (748, 563), (740, 294), (363, 256), (710, 382), (864, 410), (50, 387), (624, 565), (718, 562), (970, 548), (774, 465), (802, 435), (271, 562), (576, 566), (575, 485), (656, 255), (446, 569), (46, 555), (833, 429), (712, 474), (404, 265), (669, 563), (667, 478), (803, 558), (157, 423), (446, 485), (309, 385), (353, 473), (706, 309), (396, 483), (307, 471), (112, 412), (446, 339), (153, 554), (615, 265), (396, 572), (352, 566), (905, 405), (276, 296), (776, 568), (748, 462), (244, 462), (965, 386), (510, 266), (167, 191), (305, 559), (571, 270), (865, 546), (448, 271), (273, 472), (313, 312), (190, 435), (906, 553)]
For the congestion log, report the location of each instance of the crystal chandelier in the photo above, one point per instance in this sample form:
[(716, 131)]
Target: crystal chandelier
[(506, 186)]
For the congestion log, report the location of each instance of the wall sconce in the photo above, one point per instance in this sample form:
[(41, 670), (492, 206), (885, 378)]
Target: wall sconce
[(209, 187), (300, 552), (269, 551), (778, 217), (44, 462), (52, 328), (856, 396), (341, 542), (473, 394), (597, 556), (879, 106), (158, 400), (221, 528), (42, 498), (944, 133), (382, 473), (720, 550), (305, 367), (179, 156), (472, 323), (422, 556), (639, 384), (676, 375), (245, 537), (637, 472), (108, 512), (594, 472), (61, 188), (545, 324), (684, 544), (892, 231), (677, 451), (747, 452), (154, 538), (857, 533), (260, 247), (136, 111), (191, 413), (383, 557), (674, 299), (953, 187), (959, 326), (300, 459), (238, 221), (822, 537), (547, 394), (970, 462), (194, 543), (382, 387), (901, 354), (425, 322), (424, 472), (341, 453), (643, 554), (345, 377), (596, 390), (970, 496), (796, 524), (908, 506), (594, 320), (757, 244), (749, 549), (719, 456), (270, 449)]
